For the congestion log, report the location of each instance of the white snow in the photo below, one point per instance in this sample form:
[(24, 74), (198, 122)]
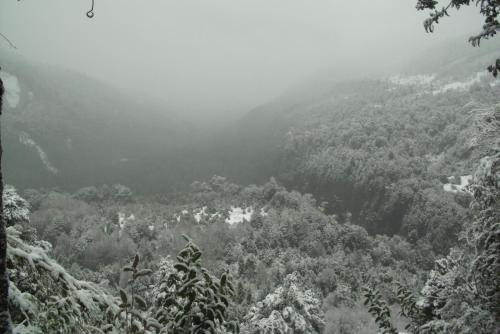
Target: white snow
[(441, 85), (123, 220), (458, 188), (12, 90), (289, 309), (461, 85), (75, 295), (185, 212), (412, 80), (200, 214), (236, 215), (263, 213), (25, 139), (239, 215)]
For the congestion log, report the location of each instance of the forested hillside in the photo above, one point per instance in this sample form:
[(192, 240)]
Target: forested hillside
[(259, 235), (392, 155), (61, 127), (377, 190)]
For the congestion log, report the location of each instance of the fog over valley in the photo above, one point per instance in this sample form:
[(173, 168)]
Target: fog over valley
[(254, 167), (224, 56)]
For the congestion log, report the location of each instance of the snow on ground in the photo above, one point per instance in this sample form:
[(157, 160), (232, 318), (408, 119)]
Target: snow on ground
[(412, 80), (440, 86), (461, 85), (458, 188), (184, 212), (200, 214), (263, 213), (239, 215), (12, 89), (25, 139), (236, 215)]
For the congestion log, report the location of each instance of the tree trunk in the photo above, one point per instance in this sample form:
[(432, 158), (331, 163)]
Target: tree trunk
[(5, 323)]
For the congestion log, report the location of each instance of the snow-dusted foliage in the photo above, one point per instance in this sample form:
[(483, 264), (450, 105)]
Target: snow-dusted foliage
[(461, 85), (16, 208), (449, 300), (45, 298), (290, 309), (189, 299), (462, 292), (133, 316)]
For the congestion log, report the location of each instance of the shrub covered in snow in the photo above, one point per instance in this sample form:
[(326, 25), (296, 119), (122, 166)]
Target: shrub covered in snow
[(290, 309)]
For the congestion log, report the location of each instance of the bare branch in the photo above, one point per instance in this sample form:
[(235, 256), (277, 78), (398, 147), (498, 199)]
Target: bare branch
[(8, 41)]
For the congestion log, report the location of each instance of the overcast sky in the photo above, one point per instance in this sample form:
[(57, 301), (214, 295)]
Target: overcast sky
[(222, 54)]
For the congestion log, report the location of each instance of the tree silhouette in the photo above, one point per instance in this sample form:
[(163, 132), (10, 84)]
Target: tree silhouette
[(488, 8), (5, 323)]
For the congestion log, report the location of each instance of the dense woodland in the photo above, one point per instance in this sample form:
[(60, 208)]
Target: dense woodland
[(348, 206)]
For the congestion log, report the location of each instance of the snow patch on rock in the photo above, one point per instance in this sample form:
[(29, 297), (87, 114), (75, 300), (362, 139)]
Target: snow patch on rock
[(12, 89)]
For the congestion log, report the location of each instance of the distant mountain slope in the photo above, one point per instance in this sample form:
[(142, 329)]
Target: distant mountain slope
[(63, 128), (382, 151)]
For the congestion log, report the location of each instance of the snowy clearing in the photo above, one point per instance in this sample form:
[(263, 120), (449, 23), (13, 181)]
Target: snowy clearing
[(458, 188)]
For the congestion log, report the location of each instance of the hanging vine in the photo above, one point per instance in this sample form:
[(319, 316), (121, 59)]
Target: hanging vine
[(90, 13)]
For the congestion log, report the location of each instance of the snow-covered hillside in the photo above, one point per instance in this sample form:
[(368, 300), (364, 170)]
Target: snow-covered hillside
[(435, 84)]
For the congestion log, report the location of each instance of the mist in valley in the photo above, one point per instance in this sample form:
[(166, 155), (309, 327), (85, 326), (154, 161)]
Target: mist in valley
[(256, 167), (205, 58)]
